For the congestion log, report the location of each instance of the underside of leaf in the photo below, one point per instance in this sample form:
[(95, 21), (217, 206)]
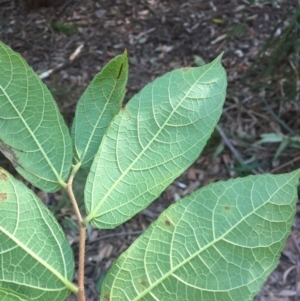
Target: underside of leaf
[(33, 134), (159, 133), (8, 295), (35, 258), (218, 244), (96, 108)]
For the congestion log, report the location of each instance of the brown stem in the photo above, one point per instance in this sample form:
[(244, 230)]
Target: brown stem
[(82, 237), (82, 234)]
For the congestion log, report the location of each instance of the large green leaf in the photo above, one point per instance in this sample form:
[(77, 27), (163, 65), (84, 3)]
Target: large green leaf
[(8, 295), (35, 258), (33, 134), (218, 244), (152, 141), (96, 108)]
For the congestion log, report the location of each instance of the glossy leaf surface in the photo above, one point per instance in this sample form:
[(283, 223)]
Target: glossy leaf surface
[(218, 244), (96, 108), (152, 141), (35, 258), (33, 134)]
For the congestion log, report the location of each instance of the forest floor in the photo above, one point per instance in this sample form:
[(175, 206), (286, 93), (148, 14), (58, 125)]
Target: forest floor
[(161, 36)]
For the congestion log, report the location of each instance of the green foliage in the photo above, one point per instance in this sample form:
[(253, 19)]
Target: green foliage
[(33, 134), (36, 259), (152, 141), (196, 250), (64, 28), (10, 295), (284, 141), (219, 243), (96, 108)]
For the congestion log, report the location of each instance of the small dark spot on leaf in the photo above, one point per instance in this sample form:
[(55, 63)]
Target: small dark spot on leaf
[(143, 283), (186, 69), (3, 176), (107, 297), (3, 196), (123, 108), (167, 223), (227, 208), (120, 71)]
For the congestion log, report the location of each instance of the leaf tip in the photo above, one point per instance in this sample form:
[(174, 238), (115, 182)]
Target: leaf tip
[(297, 173), (219, 57)]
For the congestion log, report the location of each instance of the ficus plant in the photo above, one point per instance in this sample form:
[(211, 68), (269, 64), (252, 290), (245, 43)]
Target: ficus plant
[(217, 244)]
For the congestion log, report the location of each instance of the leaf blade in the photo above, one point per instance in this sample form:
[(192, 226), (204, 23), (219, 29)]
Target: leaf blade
[(8, 295), (152, 141), (96, 108), (33, 134), (217, 244), (36, 259)]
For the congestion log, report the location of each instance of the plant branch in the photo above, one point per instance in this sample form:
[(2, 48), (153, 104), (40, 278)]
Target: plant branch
[(82, 233), (72, 57), (285, 164)]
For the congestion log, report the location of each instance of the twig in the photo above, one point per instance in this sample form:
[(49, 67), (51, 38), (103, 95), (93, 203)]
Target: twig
[(233, 150), (118, 234), (285, 164), (82, 234), (72, 57)]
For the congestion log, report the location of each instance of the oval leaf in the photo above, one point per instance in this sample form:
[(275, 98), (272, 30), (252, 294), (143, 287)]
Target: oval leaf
[(96, 108), (8, 295), (152, 141), (219, 243), (33, 134), (35, 258)]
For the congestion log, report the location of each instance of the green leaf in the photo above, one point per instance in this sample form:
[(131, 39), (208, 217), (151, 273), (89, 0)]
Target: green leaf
[(219, 243), (8, 295), (96, 108), (33, 134), (152, 141), (35, 257)]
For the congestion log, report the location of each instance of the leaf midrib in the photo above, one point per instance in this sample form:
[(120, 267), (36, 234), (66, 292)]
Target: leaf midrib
[(153, 187), (92, 214)]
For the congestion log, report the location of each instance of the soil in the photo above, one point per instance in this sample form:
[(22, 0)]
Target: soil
[(161, 36)]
